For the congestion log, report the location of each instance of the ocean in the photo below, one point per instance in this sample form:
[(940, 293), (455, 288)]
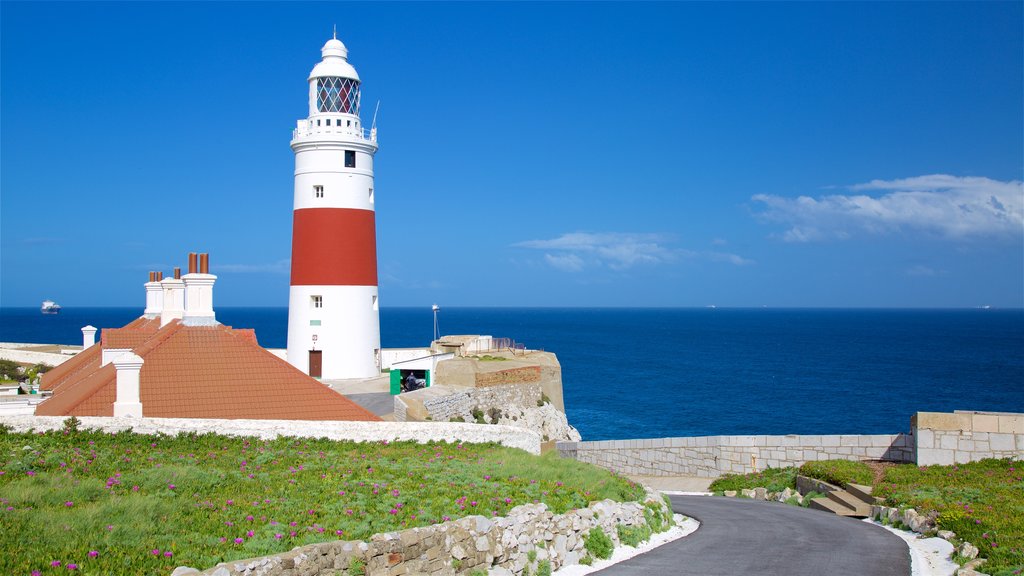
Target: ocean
[(651, 373)]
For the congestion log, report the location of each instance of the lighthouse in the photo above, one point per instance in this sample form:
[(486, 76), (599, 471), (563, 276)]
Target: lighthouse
[(333, 319)]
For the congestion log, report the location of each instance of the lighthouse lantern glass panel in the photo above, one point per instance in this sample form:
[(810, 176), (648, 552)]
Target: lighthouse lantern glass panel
[(334, 94)]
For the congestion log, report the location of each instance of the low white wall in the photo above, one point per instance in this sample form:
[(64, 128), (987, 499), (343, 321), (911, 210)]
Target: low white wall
[(963, 436), (712, 456), (30, 357), (356, 431), (389, 356), (19, 407)]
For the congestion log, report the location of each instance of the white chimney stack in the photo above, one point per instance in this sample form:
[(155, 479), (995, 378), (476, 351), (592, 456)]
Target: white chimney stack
[(88, 336), (199, 291), (127, 401), (154, 295), (173, 298)]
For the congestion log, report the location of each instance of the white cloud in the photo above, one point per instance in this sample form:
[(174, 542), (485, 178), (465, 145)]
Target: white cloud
[(573, 252), (565, 262), (948, 206), (617, 251), (279, 267)]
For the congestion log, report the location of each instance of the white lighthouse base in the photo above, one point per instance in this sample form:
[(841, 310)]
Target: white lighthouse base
[(344, 330)]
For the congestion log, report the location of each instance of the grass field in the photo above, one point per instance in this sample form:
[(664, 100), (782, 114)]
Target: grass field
[(97, 503)]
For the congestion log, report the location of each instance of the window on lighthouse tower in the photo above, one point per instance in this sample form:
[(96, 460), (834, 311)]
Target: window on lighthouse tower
[(350, 158)]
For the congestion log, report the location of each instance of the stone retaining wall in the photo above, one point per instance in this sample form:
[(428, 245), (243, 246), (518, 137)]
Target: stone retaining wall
[(712, 456), (457, 547), (963, 436), (461, 402), (935, 438), (356, 431)]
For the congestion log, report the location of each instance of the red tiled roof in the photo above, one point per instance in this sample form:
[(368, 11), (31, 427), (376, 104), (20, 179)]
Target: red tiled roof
[(80, 364), (90, 395), (200, 372)]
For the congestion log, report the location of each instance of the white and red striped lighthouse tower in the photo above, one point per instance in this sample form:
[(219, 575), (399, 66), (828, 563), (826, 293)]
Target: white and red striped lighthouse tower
[(333, 321)]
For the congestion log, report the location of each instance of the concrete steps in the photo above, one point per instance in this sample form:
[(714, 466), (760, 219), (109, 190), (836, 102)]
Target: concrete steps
[(855, 501)]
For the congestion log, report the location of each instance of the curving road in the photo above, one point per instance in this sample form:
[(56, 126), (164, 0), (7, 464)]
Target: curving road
[(740, 537)]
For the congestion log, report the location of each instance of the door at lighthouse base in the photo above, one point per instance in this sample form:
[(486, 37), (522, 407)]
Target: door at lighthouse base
[(316, 363)]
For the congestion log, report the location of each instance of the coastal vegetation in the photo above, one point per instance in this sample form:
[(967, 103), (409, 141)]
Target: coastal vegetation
[(126, 503), (982, 502)]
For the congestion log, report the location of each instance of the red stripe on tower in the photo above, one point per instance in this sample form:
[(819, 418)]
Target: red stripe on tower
[(334, 247)]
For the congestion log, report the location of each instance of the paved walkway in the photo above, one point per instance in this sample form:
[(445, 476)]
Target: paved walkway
[(739, 537)]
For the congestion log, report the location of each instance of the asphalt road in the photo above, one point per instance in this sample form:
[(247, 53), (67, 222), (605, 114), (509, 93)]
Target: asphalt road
[(380, 403), (740, 537)]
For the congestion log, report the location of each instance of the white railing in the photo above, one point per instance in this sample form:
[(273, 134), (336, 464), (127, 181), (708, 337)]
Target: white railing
[(369, 134)]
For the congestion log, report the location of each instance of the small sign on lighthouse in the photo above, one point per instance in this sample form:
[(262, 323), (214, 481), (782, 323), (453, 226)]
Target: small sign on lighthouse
[(333, 287)]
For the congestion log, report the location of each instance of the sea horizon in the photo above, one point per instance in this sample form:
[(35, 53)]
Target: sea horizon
[(664, 372)]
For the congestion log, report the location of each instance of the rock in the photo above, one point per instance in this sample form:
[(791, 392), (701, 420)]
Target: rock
[(184, 571), (730, 493), (499, 571), (747, 493), (482, 544), (222, 571), (946, 535), (458, 552), (968, 550), (760, 493)]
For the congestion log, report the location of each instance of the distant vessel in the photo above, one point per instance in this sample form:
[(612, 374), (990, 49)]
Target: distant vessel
[(49, 307)]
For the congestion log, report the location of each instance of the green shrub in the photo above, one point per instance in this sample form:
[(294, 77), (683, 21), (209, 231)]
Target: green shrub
[(356, 566), (598, 544), (531, 555), (544, 568), (773, 479), (478, 415), (839, 472), (10, 370), (633, 535), (587, 560)]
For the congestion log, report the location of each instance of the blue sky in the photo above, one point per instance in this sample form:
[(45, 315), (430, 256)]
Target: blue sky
[(532, 154)]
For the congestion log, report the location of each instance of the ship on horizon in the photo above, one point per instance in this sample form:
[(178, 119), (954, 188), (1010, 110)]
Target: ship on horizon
[(49, 307)]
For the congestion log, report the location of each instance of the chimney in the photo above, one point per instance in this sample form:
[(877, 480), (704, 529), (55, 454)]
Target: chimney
[(127, 401), (154, 296), (199, 291), (173, 299), (88, 336)]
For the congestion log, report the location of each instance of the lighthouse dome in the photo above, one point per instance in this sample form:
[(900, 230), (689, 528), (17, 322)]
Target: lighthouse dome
[(334, 63)]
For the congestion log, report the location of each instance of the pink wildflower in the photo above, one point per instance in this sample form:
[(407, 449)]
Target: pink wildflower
[(55, 563), (238, 540), (93, 553), (69, 504)]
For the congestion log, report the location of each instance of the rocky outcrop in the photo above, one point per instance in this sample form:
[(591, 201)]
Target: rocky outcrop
[(545, 420)]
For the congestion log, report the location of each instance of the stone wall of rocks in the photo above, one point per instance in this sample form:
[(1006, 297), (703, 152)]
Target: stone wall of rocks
[(456, 547), (712, 456), (357, 431), (460, 402), (960, 437)]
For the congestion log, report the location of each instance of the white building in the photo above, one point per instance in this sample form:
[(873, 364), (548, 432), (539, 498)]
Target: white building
[(333, 320)]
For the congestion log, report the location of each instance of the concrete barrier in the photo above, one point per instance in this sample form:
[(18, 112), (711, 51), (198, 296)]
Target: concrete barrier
[(356, 431)]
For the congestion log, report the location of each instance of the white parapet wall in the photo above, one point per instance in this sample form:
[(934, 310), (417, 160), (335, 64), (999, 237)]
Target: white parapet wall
[(963, 436), (355, 431), (712, 456), (935, 438), (15, 353)]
